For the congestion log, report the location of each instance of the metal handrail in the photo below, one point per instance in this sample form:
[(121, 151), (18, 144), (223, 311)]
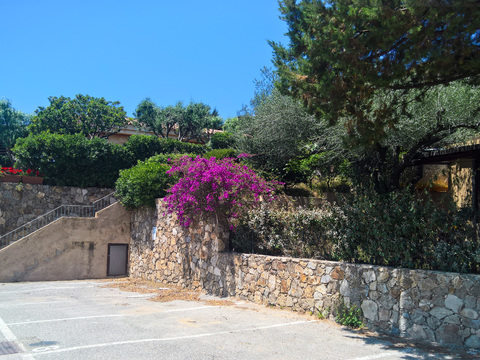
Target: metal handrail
[(57, 213)]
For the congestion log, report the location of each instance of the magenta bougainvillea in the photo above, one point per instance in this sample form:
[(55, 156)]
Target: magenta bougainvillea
[(214, 187)]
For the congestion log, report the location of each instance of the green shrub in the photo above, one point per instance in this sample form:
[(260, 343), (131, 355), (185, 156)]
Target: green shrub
[(220, 154), (347, 315), (404, 230), (5, 160), (299, 233), (401, 229), (71, 160), (146, 181), (221, 140), (326, 167), (142, 147), (142, 184)]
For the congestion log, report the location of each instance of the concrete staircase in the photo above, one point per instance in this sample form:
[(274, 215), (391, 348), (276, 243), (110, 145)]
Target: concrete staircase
[(51, 216), (67, 248)]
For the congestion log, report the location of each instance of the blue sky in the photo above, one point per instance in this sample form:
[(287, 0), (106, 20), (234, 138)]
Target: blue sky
[(202, 51)]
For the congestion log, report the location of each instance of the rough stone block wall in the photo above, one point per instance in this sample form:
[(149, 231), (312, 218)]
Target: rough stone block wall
[(19, 205), (423, 305), (184, 257)]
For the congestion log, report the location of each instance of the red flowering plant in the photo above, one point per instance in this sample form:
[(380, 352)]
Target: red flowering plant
[(10, 171), (210, 187), (31, 172), (13, 171)]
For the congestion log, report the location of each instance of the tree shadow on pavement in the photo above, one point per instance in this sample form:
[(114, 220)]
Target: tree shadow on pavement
[(412, 349)]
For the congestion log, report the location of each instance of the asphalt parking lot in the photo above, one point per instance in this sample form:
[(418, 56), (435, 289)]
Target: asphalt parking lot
[(86, 320)]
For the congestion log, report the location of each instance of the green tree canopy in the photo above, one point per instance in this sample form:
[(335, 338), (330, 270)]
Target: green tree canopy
[(276, 132), (194, 121), (446, 115), (394, 77), (161, 121), (13, 125), (87, 115), (274, 129), (343, 53), (230, 125)]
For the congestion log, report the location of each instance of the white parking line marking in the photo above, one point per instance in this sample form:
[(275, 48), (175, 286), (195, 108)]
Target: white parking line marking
[(64, 319), (45, 289), (10, 336), (74, 306), (93, 346), (32, 303), (46, 348), (102, 316)]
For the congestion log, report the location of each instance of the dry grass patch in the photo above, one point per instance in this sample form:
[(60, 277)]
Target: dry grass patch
[(219, 302), (163, 292)]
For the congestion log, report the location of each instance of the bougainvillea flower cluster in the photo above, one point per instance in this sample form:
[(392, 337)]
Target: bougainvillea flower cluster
[(214, 187)]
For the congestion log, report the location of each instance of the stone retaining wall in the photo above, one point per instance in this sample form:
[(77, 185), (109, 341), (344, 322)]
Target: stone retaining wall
[(184, 257), (21, 204), (424, 305)]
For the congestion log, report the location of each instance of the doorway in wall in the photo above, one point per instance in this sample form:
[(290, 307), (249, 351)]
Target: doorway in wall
[(117, 263)]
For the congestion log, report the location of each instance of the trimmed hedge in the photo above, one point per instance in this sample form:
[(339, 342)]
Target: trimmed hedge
[(221, 140), (142, 147), (71, 160)]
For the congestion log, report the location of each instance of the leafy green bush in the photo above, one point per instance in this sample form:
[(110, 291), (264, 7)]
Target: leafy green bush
[(146, 181), (142, 184), (220, 154), (5, 160), (300, 233), (141, 147), (347, 315), (71, 160), (326, 167), (221, 140), (401, 229)]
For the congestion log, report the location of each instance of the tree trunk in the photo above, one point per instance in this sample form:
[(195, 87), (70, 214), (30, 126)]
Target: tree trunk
[(10, 156)]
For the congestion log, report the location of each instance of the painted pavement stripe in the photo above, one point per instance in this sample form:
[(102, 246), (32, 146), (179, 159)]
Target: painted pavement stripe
[(45, 289), (32, 303), (10, 336), (103, 316), (64, 319), (128, 342)]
